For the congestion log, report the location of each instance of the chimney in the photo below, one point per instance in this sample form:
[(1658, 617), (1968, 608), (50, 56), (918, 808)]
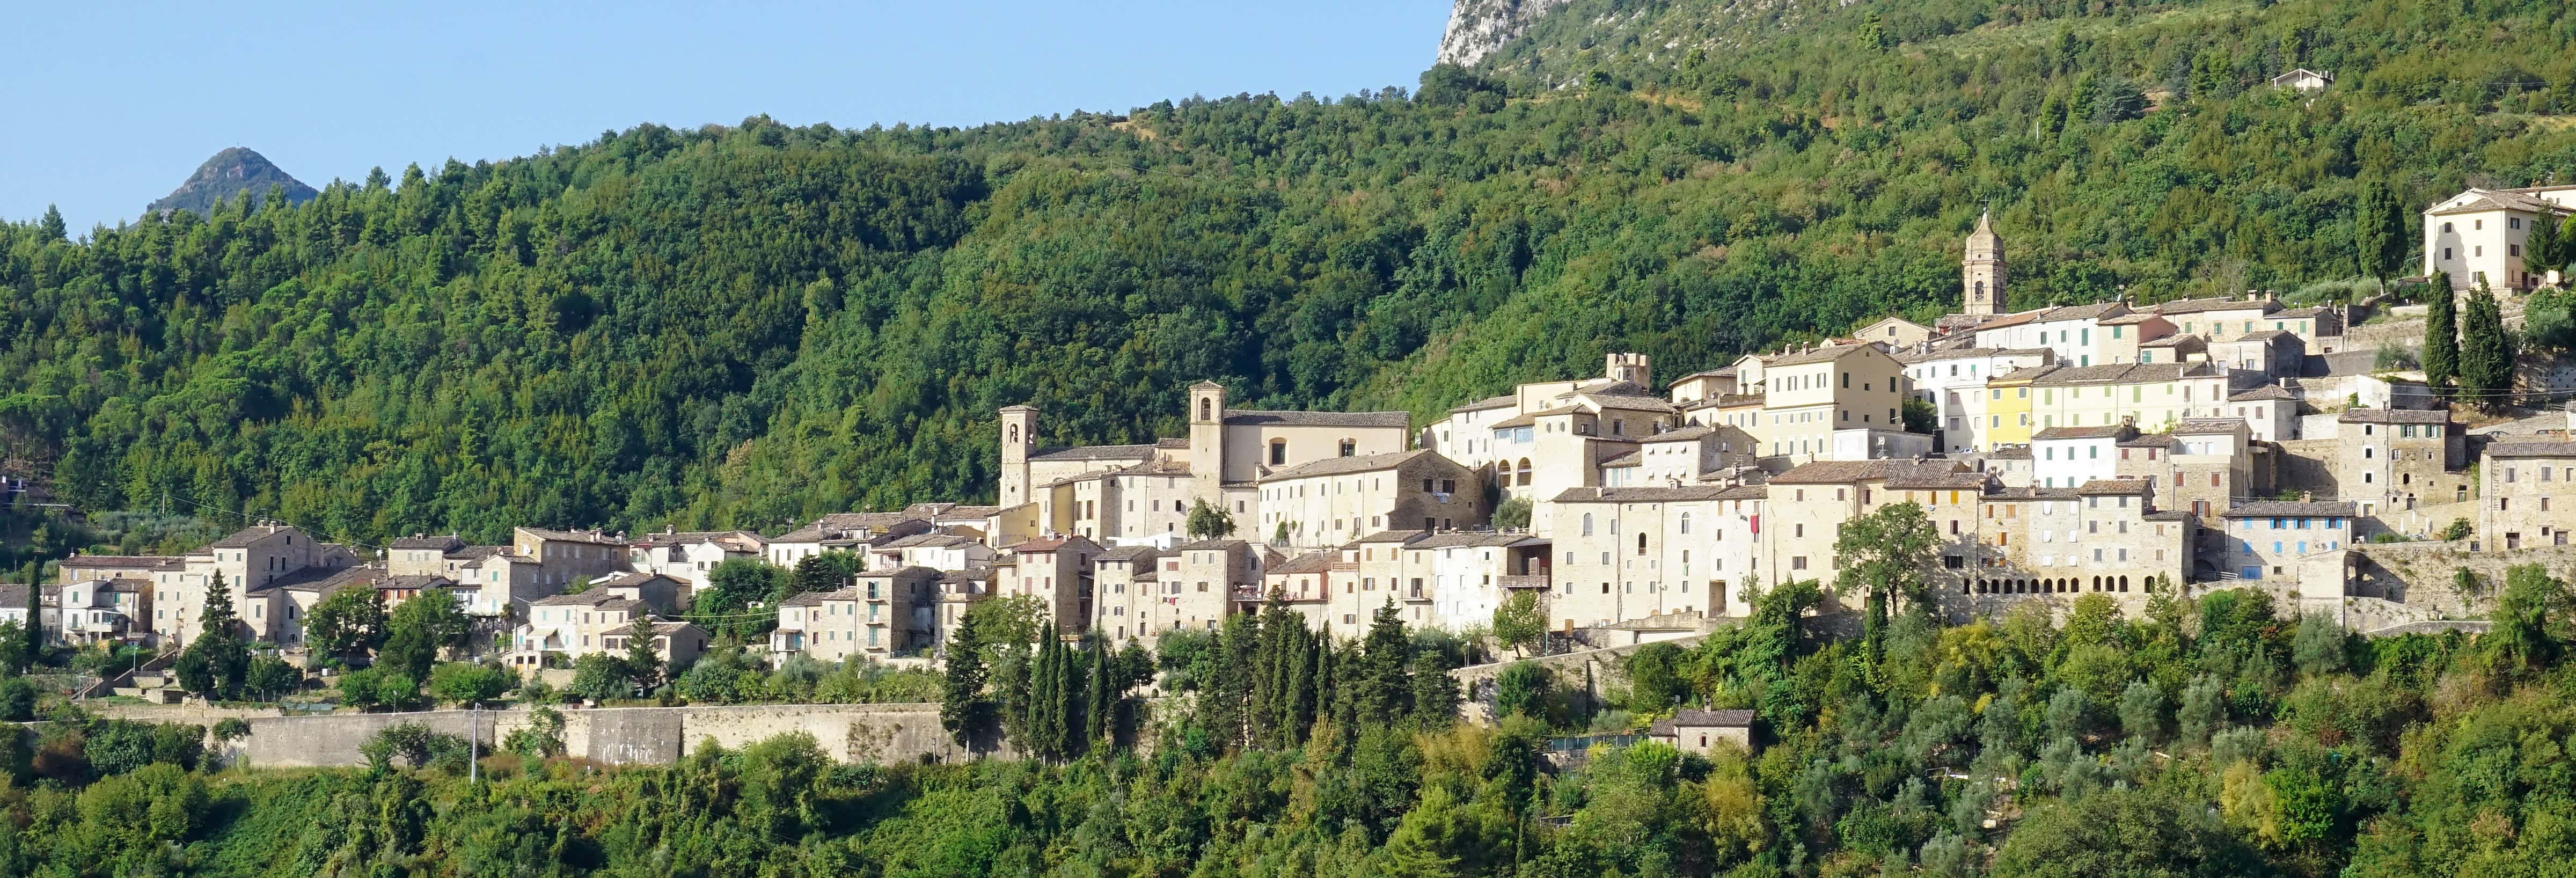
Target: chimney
[(2307, 496)]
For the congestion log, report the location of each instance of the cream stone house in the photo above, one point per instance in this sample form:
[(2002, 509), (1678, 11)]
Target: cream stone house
[(2070, 331), (852, 532), (1226, 452), (689, 556), (1125, 580), (2266, 538), (2152, 396), (2065, 457), (1302, 584), (1897, 333), (1333, 501), (1058, 571), (2529, 498), (1631, 553), (1690, 455), (2478, 235), (248, 559), (2392, 460), (1808, 395), (2124, 338)]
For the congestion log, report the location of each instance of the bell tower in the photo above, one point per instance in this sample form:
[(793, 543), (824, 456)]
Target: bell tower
[(1982, 271), (1207, 442), (1019, 435)]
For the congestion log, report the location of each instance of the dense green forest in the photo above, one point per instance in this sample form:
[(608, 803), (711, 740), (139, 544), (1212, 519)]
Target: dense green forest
[(745, 326), (2205, 738)]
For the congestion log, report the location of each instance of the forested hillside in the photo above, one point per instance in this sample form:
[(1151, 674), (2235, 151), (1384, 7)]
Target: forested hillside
[(745, 326)]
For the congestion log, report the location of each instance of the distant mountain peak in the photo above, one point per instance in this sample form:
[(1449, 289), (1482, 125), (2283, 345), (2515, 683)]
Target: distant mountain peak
[(231, 171)]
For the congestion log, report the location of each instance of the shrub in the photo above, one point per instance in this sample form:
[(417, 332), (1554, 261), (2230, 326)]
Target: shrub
[(2458, 529), (417, 746)]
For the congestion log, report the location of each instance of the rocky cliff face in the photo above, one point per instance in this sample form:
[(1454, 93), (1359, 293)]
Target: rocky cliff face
[(230, 172), (1479, 27)]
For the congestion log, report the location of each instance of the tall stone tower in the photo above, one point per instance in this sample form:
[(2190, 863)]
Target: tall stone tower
[(1207, 442), (1982, 272), (1019, 436), (1636, 368)]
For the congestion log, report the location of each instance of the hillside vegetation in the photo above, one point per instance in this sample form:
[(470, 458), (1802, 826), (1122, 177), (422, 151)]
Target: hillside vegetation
[(745, 326)]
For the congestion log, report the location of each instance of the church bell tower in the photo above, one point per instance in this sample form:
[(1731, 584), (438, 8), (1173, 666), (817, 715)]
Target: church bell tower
[(1982, 271)]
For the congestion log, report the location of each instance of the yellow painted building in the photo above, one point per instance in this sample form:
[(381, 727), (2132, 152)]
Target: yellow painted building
[(2008, 407)]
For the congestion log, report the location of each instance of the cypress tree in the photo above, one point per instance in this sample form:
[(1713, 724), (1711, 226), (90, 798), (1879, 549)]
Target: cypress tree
[(2543, 251), (2486, 354), (1384, 689), (2441, 334), (1435, 693), (962, 708), (1043, 723), (1104, 697), (1074, 738), (33, 647), (2378, 230)]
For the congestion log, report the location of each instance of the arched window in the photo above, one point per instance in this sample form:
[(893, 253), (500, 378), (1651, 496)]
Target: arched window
[(1525, 472), (1641, 542), (1685, 522), (1587, 524), (1207, 409), (1015, 434), (1981, 291)]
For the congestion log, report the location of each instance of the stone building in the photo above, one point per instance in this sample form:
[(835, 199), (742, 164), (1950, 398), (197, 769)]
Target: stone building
[(2529, 498), (1333, 501), (2391, 460), (1630, 553), (2267, 538), (1226, 452)]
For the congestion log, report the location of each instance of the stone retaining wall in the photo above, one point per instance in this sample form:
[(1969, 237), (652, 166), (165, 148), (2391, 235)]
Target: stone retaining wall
[(617, 735)]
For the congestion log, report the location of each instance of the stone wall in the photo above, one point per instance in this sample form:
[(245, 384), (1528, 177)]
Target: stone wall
[(621, 735)]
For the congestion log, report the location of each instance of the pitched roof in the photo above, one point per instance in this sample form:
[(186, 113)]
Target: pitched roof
[(2195, 306), (599, 598), (1922, 473), (2264, 335), (2107, 487), (1311, 562), (1681, 434), (1660, 495), (1094, 452), (574, 536), (690, 538), (2281, 508), (2125, 373), (2394, 416), (246, 536), (2208, 426), (803, 599), (2093, 311), (2265, 392), (2532, 449), (1826, 354), (1631, 402), (2132, 318), (1629, 459), (1728, 372), (126, 562), (1334, 466), (1129, 554), (2115, 431), (1246, 417), (1693, 719), (1395, 536), (440, 544), (1490, 402), (1214, 545)]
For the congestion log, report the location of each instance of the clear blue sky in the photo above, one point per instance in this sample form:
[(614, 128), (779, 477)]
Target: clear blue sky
[(112, 104)]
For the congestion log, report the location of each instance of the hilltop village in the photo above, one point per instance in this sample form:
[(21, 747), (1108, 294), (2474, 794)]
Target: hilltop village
[(2111, 448)]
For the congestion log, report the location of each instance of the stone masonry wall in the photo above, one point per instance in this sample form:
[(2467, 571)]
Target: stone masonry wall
[(623, 735)]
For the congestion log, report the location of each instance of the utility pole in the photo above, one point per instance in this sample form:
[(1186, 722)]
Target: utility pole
[(474, 744)]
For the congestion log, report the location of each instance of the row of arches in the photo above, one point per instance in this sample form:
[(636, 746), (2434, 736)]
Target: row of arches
[(2055, 585)]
